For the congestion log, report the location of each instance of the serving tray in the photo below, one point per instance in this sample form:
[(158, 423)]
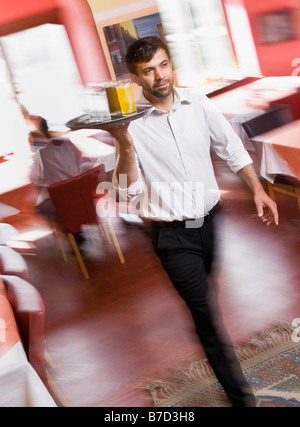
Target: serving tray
[(86, 122)]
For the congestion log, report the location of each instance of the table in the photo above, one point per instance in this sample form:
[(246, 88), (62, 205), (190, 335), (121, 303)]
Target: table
[(248, 101), (256, 95), (279, 151), (20, 386), (15, 182), (7, 210), (96, 144)]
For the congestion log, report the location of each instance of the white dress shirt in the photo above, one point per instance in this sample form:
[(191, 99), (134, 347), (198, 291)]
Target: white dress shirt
[(56, 162), (176, 175)]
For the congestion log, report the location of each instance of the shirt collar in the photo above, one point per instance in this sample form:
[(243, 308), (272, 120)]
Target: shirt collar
[(181, 96)]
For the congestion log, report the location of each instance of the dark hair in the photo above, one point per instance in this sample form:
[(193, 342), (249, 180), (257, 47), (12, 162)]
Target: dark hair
[(143, 50), (43, 127)]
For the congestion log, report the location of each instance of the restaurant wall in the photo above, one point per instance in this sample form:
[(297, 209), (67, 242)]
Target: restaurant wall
[(78, 20), (241, 37), (114, 12), (99, 6), (276, 57), (75, 15), (274, 27), (17, 15)]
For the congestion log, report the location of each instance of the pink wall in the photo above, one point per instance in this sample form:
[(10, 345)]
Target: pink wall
[(17, 15), (75, 15), (15, 10), (274, 59), (81, 28)]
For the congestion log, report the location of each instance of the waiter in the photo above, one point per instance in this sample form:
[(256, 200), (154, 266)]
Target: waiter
[(164, 162)]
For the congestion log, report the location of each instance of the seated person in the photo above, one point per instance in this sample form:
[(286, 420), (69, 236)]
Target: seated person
[(60, 159), (39, 134)]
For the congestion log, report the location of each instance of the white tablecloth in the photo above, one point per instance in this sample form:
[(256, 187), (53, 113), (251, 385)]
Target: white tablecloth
[(256, 95), (20, 386), (237, 121), (96, 144), (270, 163), (246, 102), (6, 211), (15, 173)]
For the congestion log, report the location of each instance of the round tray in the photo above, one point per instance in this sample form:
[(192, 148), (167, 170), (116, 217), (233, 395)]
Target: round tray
[(85, 122)]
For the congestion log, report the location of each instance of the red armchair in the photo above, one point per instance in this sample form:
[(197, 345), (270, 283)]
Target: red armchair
[(29, 311), (75, 202)]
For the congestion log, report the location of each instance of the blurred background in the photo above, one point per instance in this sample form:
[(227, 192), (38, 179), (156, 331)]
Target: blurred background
[(109, 333), (50, 48)]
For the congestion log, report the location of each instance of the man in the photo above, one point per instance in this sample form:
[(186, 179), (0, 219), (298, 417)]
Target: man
[(169, 148), (58, 161)]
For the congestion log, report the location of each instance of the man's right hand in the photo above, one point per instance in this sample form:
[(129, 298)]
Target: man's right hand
[(124, 152), (120, 132)]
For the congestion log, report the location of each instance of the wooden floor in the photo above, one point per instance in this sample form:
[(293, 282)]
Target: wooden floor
[(107, 337)]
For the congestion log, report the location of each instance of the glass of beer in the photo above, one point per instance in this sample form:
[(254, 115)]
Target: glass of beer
[(112, 97), (126, 97)]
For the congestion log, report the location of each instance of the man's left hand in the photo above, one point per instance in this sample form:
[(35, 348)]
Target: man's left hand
[(266, 208)]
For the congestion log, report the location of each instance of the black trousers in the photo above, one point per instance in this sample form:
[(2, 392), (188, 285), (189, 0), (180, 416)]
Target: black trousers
[(188, 255)]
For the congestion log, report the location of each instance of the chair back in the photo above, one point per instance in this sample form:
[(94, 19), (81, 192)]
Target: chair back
[(293, 101), (74, 199), (270, 120)]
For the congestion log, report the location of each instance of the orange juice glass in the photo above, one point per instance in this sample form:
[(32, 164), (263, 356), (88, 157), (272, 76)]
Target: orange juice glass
[(126, 97)]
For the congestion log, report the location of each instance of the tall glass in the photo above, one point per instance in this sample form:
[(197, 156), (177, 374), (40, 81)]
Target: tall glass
[(112, 97), (96, 104), (126, 97)]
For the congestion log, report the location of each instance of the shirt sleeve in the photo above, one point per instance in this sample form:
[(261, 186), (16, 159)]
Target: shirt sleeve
[(133, 190), (225, 142), (37, 172)]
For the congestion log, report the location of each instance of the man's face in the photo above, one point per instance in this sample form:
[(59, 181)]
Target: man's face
[(155, 76)]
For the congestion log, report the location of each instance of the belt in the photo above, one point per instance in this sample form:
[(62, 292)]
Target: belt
[(190, 223)]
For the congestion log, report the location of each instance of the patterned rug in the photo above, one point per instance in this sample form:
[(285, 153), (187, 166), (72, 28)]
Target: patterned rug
[(270, 362)]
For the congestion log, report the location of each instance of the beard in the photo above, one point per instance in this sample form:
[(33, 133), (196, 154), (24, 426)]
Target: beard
[(162, 92)]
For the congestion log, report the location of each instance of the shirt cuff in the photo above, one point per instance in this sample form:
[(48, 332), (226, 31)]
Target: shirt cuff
[(130, 192), (239, 163)]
